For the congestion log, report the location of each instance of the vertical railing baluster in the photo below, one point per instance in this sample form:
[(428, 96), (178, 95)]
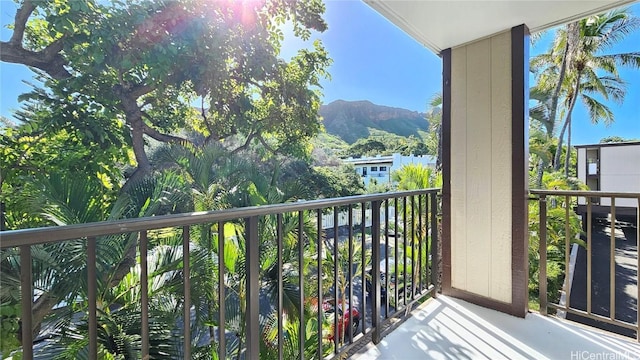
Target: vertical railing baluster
[(421, 239), (350, 224), (26, 301), (386, 258), (375, 277), (279, 236), (336, 254), (144, 294), (222, 349), (319, 284), (252, 250), (589, 246), (302, 331), (405, 231), (567, 255), (396, 251), (434, 243), (92, 290), (542, 250), (413, 248), (363, 297), (638, 270), (612, 262), (186, 271)]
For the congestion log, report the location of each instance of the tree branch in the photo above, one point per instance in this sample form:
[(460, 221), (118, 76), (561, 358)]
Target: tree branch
[(20, 22), (245, 145), (52, 63), (140, 90), (155, 134)]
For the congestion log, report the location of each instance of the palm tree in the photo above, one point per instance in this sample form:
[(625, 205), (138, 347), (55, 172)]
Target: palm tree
[(576, 68), (59, 269)]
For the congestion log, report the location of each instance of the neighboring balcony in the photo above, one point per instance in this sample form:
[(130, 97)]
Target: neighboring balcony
[(368, 276)]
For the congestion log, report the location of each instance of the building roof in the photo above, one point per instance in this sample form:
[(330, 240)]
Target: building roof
[(626, 143)]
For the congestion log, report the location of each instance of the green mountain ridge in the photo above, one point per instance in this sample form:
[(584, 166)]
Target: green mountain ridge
[(352, 120)]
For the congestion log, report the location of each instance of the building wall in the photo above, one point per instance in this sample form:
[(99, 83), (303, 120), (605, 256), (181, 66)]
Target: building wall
[(481, 168), (581, 163), (620, 172), (392, 163)]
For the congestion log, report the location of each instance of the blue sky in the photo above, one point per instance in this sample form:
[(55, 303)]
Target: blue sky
[(374, 60)]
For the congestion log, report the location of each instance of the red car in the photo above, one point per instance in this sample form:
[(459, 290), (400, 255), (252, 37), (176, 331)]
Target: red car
[(329, 308)]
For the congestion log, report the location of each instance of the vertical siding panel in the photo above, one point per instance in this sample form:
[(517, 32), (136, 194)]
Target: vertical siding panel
[(458, 167), (501, 168), (478, 180)]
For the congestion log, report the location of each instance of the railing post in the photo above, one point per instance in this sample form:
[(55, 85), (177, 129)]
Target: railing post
[(92, 298), (542, 266), (26, 293), (252, 326), (222, 347), (375, 276), (434, 243), (186, 311), (144, 296), (638, 268)]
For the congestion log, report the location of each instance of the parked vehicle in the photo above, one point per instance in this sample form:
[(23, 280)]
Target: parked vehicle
[(393, 281), (331, 310)]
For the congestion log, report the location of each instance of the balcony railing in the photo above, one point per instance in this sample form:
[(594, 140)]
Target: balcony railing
[(597, 245), (292, 290)]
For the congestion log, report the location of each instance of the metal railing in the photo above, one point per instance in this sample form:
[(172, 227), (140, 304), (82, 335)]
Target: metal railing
[(379, 271), (606, 255)]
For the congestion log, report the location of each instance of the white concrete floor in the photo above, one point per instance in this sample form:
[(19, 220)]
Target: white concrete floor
[(449, 328)]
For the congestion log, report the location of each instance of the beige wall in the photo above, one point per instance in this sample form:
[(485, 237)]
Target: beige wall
[(620, 172), (481, 161)]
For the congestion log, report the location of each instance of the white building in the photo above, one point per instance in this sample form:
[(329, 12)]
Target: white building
[(379, 168), (610, 167)]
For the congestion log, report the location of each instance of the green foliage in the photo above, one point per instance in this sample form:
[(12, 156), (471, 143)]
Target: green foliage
[(124, 72), (563, 227), (9, 325), (353, 120), (578, 66), (416, 176), (384, 143)]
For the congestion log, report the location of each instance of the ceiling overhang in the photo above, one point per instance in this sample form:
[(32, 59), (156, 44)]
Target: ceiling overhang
[(441, 24)]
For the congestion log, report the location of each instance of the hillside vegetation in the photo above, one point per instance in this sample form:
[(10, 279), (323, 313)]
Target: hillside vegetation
[(353, 120)]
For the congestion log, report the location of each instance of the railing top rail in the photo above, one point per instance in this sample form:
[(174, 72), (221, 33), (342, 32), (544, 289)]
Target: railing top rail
[(13, 238), (588, 193)]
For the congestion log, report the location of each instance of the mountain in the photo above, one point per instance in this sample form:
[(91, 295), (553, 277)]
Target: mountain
[(351, 120)]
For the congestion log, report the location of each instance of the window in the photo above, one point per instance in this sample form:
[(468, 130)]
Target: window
[(374, 168), (383, 168)]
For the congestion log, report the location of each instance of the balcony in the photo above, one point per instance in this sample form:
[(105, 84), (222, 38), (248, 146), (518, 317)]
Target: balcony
[(369, 277)]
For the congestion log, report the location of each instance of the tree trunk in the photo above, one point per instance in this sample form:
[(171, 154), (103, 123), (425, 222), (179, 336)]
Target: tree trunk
[(567, 158), (556, 158), (573, 36), (539, 174), (567, 122)]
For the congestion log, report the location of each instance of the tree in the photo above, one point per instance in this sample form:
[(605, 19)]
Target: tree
[(140, 66), (576, 68), (615, 139), (434, 139)]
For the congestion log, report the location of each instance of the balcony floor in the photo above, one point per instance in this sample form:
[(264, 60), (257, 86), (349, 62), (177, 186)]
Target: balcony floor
[(449, 328)]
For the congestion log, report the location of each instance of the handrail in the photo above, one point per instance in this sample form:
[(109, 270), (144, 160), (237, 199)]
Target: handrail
[(43, 235), (419, 216), (584, 193), (599, 253)]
